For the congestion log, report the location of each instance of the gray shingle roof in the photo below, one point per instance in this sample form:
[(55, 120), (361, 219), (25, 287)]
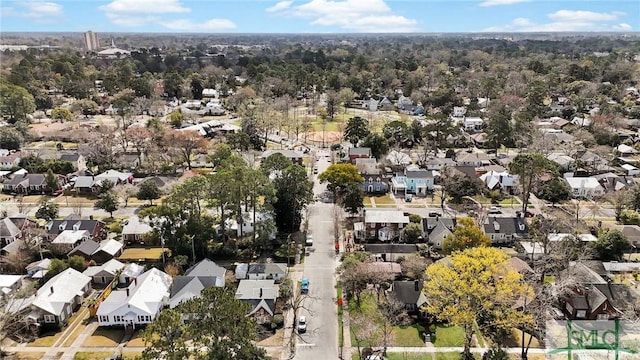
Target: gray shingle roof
[(391, 248)]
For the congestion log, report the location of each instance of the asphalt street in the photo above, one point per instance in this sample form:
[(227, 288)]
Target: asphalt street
[(320, 342)]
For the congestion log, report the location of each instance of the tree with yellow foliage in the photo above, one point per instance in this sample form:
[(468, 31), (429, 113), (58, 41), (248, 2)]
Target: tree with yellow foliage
[(465, 235), (475, 286)]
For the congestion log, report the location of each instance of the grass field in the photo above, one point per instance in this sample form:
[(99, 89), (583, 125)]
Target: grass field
[(136, 340), (449, 336), (45, 340), (411, 335), (29, 355), (101, 355), (384, 200), (105, 337), (142, 253)]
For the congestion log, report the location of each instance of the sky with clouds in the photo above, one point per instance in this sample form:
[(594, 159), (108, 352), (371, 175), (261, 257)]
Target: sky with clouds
[(319, 16)]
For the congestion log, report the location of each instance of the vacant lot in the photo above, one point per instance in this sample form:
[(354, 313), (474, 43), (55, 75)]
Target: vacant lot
[(148, 254)]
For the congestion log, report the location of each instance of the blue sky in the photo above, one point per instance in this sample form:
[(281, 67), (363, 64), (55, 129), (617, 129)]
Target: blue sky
[(319, 16)]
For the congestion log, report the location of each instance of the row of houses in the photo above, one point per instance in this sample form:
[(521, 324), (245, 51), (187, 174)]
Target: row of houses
[(386, 225), (138, 296)]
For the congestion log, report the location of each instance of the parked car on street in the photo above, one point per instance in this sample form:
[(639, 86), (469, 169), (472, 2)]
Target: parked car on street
[(304, 286), (302, 325)]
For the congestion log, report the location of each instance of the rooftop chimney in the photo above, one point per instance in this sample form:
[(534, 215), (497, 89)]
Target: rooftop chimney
[(135, 281), (260, 293), (52, 289), (416, 285), (127, 292)]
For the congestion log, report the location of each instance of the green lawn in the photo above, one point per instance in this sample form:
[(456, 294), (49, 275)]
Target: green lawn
[(482, 199), (331, 126), (384, 200), (411, 336), (512, 201), (366, 201), (449, 336)]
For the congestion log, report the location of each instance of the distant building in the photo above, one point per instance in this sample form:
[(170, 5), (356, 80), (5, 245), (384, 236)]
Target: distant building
[(91, 41), (113, 52)]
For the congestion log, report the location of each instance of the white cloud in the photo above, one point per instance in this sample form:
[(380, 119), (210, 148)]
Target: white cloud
[(571, 15), (566, 21), (500, 2), (352, 15), (131, 20), (38, 10), (144, 7), (279, 6), (623, 27), (188, 25)]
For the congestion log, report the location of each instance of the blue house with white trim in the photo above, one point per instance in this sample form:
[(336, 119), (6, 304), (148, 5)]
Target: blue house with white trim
[(417, 182)]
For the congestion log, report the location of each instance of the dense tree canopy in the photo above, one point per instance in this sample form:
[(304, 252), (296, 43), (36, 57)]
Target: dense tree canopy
[(216, 328), (475, 287)]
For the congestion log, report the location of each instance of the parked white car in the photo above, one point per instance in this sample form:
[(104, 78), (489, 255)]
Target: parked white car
[(302, 325)]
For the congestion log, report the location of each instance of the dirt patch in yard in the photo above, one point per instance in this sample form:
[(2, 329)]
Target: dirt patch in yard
[(274, 340)]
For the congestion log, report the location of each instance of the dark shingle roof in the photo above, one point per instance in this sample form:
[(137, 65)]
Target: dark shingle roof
[(360, 151), (87, 248), (391, 248), (407, 291), (507, 225)]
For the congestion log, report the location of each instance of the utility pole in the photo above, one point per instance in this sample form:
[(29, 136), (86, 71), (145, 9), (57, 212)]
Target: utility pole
[(193, 248)]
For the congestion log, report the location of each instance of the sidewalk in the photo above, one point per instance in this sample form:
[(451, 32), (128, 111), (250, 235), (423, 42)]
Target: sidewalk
[(295, 274)]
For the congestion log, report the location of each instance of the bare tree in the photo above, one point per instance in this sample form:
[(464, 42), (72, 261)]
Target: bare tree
[(14, 321), (364, 329), (125, 192)]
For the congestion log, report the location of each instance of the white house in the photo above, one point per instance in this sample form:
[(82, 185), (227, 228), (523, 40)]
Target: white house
[(57, 299), (472, 123), (9, 284), (104, 273), (630, 169), (459, 111), (37, 269), (130, 272), (584, 187), (267, 271), (139, 303), (562, 236), (499, 180), (626, 150), (69, 239)]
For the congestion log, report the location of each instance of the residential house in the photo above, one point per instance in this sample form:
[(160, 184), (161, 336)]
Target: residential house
[(202, 275), (134, 230), (418, 182), (531, 250), (267, 271), (358, 153), (105, 273), (69, 239), (74, 222), (384, 225), (391, 252), (459, 111), (130, 272), (9, 284), (248, 227), (9, 160), (261, 295), (564, 161), (78, 161), (100, 252), (630, 170), (437, 229), (138, 304), (9, 232), (59, 297), (625, 150), (384, 104), (437, 163), (594, 298), (503, 230), (375, 183), (502, 181), (476, 159), (410, 294), (25, 184), (37, 269), (88, 184), (383, 267), (584, 187), (472, 124), (294, 156)]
